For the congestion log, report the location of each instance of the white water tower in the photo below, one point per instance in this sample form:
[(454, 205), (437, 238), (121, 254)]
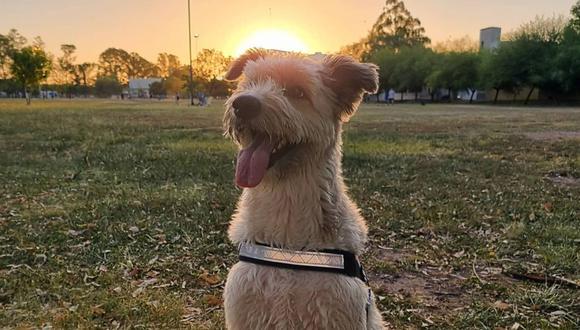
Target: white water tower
[(490, 38)]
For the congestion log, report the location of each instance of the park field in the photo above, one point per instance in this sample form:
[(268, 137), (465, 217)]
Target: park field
[(114, 214)]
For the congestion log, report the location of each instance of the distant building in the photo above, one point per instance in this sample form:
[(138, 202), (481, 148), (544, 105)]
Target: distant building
[(139, 87), (490, 38)]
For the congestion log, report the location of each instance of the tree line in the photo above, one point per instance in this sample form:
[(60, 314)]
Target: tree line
[(543, 54), (25, 68), (540, 55)]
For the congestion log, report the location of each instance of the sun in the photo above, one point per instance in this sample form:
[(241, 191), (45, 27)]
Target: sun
[(273, 39)]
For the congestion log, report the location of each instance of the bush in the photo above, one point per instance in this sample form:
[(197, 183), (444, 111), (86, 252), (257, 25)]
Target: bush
[(107, 87)]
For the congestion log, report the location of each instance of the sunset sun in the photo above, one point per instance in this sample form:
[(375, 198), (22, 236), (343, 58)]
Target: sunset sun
[(272, 39)]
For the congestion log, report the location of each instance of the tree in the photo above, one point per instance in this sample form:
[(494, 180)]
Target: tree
[(107, 86), (465, 72), (545, 29), (575, 20), (9, 86), (536, 46), (464, 44), (9, 44), (405, 70), (66, 67), (168, 64), (412, 68), (139, 67), (567, 61), (156, 88), (356, 50), (387, 61), (123, 65), (498, 72), (442, 75), (396, 28), (173, 85), (455, 72), (210, 66), (113, 63), (30, 65), (84, 75)]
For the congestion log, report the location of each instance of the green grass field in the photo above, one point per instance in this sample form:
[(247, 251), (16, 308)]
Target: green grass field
[(114, 214)]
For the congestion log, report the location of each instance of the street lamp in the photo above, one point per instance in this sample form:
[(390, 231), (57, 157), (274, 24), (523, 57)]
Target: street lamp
[(196, 36), (190, 60)]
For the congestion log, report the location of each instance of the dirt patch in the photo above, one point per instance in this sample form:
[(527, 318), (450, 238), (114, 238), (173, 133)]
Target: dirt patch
[(430, 288), (564, 179), (433, 291), (393, 256), (553, 135)]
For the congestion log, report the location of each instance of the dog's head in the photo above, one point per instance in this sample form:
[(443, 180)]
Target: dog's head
[(288, 106)]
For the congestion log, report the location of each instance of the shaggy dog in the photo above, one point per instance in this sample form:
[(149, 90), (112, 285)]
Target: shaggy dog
[(286, 116)]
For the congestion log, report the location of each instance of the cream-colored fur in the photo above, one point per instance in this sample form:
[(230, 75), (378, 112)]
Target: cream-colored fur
[(302, 201)]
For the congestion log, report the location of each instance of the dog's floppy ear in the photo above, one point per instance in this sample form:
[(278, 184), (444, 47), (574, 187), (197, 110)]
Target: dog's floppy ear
[(349, 80), (237, 66)]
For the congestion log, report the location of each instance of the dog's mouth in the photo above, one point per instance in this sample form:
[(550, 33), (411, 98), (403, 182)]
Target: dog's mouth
[(255, 160)]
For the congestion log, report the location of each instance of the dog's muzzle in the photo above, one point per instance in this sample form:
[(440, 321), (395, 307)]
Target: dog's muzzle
[(333, 261)]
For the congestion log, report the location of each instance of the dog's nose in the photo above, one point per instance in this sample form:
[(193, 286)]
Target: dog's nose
[(247, 107)]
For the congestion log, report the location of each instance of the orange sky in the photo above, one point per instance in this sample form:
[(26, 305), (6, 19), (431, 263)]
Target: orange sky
[(152, 26)]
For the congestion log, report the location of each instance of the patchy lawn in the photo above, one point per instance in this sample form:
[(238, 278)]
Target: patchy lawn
[(113, 214)]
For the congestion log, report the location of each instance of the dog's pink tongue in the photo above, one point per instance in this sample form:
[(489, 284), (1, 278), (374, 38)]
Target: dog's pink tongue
[(253, 163)]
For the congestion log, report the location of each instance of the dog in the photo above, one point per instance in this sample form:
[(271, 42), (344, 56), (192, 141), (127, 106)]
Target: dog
[(286, 116)]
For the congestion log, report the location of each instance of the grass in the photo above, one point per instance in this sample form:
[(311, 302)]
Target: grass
[(113, 214)]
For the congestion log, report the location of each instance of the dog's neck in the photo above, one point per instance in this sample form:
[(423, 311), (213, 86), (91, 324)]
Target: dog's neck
[(306, 209)]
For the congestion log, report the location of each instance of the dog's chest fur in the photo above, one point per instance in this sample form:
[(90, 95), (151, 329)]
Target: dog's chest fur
[(299, 216), (293, 216), (260, 297)]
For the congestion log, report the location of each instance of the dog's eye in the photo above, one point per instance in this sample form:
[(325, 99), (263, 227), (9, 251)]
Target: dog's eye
[(294, 92)]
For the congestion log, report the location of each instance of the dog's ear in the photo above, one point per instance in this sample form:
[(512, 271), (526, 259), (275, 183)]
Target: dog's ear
[(349, 80), (237, 66)]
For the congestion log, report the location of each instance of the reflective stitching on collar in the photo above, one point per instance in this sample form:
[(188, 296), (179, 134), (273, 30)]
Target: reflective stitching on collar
[(299, 258)]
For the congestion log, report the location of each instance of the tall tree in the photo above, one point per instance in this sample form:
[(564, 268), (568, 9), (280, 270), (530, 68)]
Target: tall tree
[(575, 20), (209, 66), (168, 64), (84, 73), (113, 63), (465, 67), (9, 44), (107, 86), (396, 28), (456, 71), (356, 50), (460, 45), (123, 65), (412, 69), (387, 60), (541, 28), (139, 67), (567, 62), (173, 84), (30, 66), (500, 70), (65, 68), (535, 44)]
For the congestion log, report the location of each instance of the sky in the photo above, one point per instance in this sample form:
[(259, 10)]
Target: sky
[(153, 26)]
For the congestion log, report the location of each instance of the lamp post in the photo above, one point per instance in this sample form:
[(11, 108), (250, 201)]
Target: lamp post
[(196, 36), (190, 60)]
